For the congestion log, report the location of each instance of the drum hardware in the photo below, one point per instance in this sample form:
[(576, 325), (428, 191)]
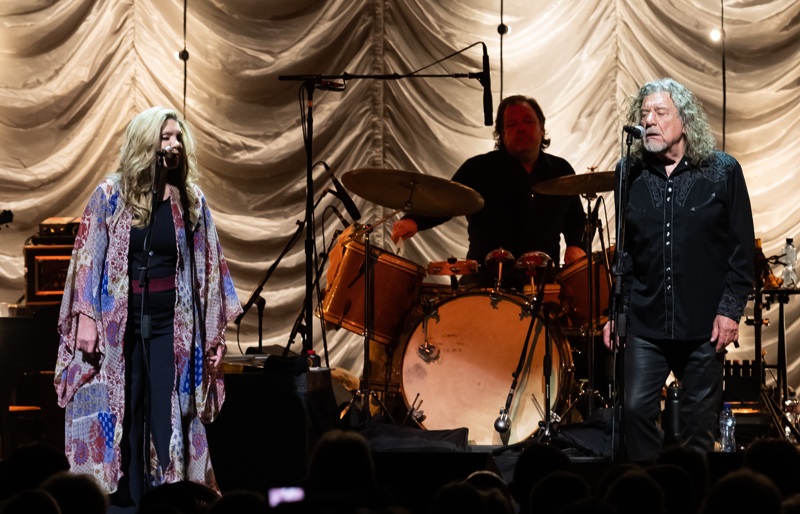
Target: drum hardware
[(495, 261), (479, 345), (587, 185), (414, 412), (503, 423), (453, 268), (402, 191), (426, 350)]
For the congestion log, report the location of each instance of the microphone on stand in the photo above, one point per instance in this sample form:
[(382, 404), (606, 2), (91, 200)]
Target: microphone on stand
[(342, 194), (337, 213), (637, 132), (502, 423), (486, 81)]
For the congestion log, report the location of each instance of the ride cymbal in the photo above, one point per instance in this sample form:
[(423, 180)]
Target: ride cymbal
[(584, 184), (413, 192)]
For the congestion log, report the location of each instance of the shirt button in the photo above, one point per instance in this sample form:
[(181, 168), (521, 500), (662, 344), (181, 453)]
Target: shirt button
[(669, 189), (669, 268), (667, 223), (668, 198), (669, 287), (667, 243)]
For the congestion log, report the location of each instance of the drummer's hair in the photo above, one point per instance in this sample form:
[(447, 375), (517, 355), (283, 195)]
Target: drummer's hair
[(700, 142), (501, 114)]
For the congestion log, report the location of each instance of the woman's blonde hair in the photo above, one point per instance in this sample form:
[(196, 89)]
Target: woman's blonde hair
[(137, 157)]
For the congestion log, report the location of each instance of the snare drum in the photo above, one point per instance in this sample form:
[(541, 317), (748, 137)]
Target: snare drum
[(475, 341), (396, 282)]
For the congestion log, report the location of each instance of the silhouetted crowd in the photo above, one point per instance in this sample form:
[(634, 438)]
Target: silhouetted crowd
[(341, 478)]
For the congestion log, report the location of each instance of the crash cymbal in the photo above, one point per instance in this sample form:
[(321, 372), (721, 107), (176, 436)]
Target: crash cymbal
[(413, 192), (584, 184)]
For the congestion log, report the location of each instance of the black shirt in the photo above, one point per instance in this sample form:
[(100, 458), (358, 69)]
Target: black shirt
[(513, 217), (162, 243), (691, 244)]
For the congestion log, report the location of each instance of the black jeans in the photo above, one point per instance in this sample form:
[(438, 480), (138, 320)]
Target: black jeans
[(159, 379), (697, 366)]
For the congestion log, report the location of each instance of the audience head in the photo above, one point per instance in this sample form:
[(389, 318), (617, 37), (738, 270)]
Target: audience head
[(457, 497), (693, 461), (743, 490), (240, 502), (778, 460), (556, 490), (31, 501), (76, 493), (635, 492), (184, 497), (29, 465), (536, 461), (679, 492)]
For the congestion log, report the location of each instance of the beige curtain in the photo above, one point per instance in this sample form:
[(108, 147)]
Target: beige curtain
[(73, 73)]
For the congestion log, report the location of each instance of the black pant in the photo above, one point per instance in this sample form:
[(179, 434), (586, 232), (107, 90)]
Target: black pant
[(160, 375), (648, 363)]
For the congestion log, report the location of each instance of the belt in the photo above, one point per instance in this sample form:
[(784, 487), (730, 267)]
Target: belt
[(156, 285)]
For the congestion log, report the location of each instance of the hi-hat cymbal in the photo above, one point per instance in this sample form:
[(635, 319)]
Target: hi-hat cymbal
[(413, 192), (585, 184)]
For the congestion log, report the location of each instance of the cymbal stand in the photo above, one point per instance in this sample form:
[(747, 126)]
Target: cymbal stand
[(588, 330)]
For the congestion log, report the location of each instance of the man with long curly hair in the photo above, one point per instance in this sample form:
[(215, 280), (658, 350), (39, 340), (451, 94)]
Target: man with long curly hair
[(687, 270), (147, 298)]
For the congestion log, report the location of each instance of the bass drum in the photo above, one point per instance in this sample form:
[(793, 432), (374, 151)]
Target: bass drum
[(460, 375)]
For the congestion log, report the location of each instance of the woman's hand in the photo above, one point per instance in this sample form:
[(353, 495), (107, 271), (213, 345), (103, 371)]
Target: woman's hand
[(216, 354), (86, 341)]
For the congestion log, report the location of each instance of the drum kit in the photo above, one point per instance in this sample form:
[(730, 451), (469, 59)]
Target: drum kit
[(460, 348)]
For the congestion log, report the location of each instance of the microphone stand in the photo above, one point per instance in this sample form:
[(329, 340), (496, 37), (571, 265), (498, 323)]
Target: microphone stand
[(616, 312), (503, 424), (255, 296), (146, 324), (310, 83)]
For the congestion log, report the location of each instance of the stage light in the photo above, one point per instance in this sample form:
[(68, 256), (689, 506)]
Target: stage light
[(715, 35)]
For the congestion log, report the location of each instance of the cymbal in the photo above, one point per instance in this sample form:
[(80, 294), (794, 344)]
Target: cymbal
[(584, 184), (413, 192)]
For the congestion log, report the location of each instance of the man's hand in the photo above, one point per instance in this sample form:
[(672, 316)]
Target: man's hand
[(724, 332)]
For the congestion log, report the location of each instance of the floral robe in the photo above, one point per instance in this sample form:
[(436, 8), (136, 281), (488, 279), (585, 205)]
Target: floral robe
[(93, 391)]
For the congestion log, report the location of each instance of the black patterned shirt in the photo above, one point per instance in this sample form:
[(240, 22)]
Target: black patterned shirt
[(690, 244)]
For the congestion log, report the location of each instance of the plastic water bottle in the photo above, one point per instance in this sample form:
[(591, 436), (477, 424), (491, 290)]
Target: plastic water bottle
[(789, 261), (727, 428)]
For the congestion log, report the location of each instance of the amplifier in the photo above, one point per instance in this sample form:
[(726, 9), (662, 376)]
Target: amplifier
[(46, 269), (59, 226)]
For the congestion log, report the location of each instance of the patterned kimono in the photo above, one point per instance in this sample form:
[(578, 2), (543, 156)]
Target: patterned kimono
[(92, 390)]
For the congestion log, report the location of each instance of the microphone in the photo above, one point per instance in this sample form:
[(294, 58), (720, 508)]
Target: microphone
[(502, 423), (486, 81), (342, 194), (329, 85), (163, 151), (337, 213), (595, 211), (637, 132)]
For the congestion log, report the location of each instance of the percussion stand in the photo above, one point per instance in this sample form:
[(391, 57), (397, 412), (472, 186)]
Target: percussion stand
[(502, 424)]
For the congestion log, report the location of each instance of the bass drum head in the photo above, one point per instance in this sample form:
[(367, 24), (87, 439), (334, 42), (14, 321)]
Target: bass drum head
[(475, 341)]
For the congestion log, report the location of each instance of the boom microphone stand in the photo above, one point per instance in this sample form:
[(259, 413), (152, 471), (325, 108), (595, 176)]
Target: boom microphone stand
[(328, 82)]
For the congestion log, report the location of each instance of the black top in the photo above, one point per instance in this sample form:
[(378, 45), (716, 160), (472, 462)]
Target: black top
[(513, 217), (690, 244), (162, 243)]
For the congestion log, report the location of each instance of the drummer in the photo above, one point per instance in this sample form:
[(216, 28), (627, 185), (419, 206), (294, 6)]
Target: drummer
[(513, 217)]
